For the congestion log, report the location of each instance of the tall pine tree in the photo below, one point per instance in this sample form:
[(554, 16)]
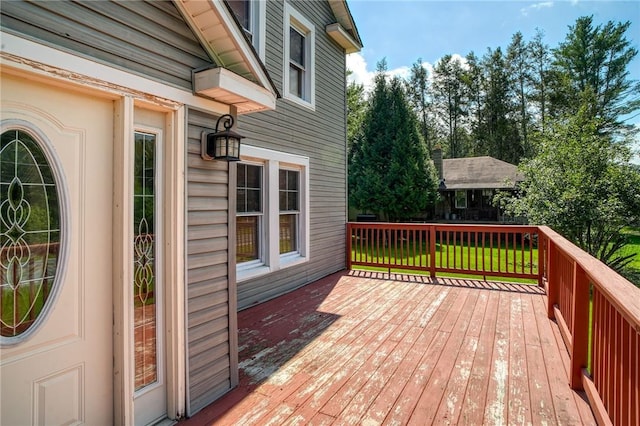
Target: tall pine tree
[(391, 173)]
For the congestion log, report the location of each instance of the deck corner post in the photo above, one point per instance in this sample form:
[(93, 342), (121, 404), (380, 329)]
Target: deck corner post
[(580, 327)]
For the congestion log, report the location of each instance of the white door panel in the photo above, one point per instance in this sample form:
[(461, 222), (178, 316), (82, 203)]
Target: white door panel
[(62, 374)]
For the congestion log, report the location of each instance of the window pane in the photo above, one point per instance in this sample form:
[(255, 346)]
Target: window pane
[(288, 197), (241, 180), (295, 81), (296, 47), (247, 238), (249, 189), (253, 200), (145, 291), (461, 199), (292, 180), (288, 233), (292, 201), (254, 176), (29, 232), (242, 10)]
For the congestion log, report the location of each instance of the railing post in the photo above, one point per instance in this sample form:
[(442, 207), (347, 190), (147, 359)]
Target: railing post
[(542, 253), (349, 239), (553, 286), (580, 331), (432, 251)]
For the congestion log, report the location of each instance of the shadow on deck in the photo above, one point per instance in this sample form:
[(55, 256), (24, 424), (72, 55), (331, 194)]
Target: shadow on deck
[(368, 348)]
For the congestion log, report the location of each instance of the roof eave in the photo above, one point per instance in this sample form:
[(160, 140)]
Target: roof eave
[(345, 19), (343, 38), (223, 39)]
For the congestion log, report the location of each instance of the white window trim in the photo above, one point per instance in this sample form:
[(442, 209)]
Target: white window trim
[(258, 26), (272, 259), (292, 18)]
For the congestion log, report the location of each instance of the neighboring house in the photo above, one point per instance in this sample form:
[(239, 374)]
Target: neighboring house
[(124, 254), (468, 185)]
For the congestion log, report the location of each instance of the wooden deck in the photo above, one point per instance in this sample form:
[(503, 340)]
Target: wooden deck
[(362, 348)]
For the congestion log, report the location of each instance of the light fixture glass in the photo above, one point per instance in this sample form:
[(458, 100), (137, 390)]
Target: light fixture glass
[(222, 145)]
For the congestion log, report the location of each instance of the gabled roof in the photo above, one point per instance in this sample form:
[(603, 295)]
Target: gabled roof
[(479, 173), (241, 78)]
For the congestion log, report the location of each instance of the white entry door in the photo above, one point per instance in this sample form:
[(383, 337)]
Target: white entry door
[(56, 355)]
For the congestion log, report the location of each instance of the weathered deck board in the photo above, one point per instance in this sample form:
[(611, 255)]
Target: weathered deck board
[(364, 348)]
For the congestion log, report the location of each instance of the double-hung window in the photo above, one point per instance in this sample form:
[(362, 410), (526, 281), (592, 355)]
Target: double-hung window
[(289, 194), (299, 48), (251, 16), (272, 224), (249, 201)]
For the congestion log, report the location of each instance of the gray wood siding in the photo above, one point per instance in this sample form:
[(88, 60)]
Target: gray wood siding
[(146, 37), (320, 135), (208, 302)]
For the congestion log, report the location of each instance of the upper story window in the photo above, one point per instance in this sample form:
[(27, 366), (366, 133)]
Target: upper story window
[(299, 48), (251, 16)]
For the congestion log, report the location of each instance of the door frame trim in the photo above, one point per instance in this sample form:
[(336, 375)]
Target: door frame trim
[(173, 266), (123, 357)]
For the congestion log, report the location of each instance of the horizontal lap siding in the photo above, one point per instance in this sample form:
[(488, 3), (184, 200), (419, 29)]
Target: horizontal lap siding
[(319, 135), (208, 334), (149, 38)]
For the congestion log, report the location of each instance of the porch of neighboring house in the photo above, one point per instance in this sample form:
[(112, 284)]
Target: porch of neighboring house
[(386, 347), (366, 348)]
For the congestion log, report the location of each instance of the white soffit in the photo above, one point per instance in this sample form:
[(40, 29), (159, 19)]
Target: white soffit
[(229, 88), (224, 41), (342, 37), (345, 19)]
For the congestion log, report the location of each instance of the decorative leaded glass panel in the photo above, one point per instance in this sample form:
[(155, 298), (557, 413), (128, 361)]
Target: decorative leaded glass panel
[(29, 232), (144, 261)]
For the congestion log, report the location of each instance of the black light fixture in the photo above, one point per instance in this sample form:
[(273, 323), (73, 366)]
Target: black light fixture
[(222, 145)]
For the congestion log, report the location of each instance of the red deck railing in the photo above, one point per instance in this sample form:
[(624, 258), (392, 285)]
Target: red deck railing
[(598, 313), (489, 251), (597, 310)]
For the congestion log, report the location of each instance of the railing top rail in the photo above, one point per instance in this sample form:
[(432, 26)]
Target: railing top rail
[(621, 292), (445, 226)]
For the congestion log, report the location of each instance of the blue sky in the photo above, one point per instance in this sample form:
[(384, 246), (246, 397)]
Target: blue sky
[(404, 30)]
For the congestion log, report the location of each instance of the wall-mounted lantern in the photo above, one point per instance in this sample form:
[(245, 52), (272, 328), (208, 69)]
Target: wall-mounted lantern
[(222, 145)]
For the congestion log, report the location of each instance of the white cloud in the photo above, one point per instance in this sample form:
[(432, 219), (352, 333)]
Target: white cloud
[(537, 6), (362, 75), (358, 67)]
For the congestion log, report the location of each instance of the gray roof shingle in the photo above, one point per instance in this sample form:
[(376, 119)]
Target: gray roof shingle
[(479, 173)]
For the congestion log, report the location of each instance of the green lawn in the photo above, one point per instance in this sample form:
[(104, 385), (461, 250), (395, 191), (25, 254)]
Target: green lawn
[(491, 260), (633, 247)]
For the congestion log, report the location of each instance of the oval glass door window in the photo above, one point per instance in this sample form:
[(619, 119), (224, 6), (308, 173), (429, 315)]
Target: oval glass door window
[(29, 233)]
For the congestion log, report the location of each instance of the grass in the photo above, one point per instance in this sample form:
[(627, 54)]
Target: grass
[(492, 262), (633, 246), (632, 271)]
